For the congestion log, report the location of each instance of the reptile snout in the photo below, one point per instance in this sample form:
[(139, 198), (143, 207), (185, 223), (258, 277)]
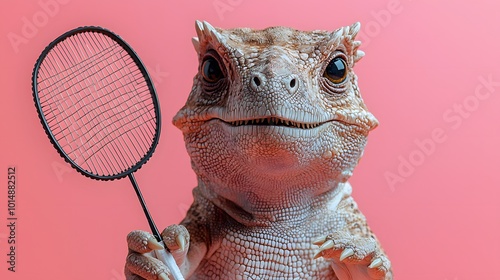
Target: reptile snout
[(260, 83)]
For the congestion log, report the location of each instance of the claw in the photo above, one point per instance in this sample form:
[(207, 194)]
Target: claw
[(320, 240), (155, 245), (163, 276), (375, 263), (346, 253), (327, 245), (181, 242)]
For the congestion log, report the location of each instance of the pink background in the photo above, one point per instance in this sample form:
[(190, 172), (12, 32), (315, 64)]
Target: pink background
[(439, 215)]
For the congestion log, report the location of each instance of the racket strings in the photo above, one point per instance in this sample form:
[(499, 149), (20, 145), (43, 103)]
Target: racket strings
[(78, 82), (74, 69), (76, 132), (144, 89), (132, 121), (97, 103)]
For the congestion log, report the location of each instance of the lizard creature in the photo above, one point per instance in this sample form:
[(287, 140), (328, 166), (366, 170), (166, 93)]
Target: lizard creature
[(274, 126)]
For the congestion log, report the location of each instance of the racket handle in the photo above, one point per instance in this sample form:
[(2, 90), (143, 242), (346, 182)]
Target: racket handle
[(169, 260)]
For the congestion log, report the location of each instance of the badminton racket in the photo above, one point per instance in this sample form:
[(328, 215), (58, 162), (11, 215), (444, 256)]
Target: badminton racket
[(99, 108)]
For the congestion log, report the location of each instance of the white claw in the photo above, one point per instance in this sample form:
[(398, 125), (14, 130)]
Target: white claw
[(346, 253), (327, 245), (155, 245), (181, 242), (375, 263)]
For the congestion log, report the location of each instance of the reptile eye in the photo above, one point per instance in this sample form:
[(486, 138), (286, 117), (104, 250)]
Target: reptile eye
[(336, 71), (211, 70)]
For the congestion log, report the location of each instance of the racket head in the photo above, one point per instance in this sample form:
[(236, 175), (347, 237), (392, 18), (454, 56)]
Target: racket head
[(121, 165)]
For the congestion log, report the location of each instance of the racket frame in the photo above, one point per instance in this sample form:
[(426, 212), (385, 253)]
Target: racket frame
[(163, 255), (146, 76)]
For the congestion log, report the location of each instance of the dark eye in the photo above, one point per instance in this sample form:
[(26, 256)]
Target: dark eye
[(336, 71), (211, 70)]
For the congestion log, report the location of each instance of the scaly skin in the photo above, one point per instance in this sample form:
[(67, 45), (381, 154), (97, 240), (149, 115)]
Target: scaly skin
[(273, 138)]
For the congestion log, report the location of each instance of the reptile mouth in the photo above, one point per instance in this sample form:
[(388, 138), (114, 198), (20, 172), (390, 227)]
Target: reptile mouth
[(272, 121)]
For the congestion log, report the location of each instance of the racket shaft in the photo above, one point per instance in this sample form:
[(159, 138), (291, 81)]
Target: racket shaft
[(169, 261), (162, 255)]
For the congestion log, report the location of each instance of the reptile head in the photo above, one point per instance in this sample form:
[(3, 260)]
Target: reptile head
[(275, 106)]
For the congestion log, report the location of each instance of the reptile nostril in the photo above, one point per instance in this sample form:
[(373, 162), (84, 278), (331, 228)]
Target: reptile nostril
[(291, 83), (256, 80)]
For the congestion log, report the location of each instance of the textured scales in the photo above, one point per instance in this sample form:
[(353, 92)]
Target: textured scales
[(273, 143)]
